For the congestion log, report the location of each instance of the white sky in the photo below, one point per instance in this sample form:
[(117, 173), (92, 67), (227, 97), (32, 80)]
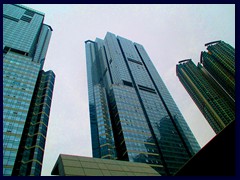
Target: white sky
[(169, 34)]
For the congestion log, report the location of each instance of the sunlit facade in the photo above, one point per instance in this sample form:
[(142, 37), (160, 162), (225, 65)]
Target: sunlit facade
[(133, 117), (211, 83), (27, 90)]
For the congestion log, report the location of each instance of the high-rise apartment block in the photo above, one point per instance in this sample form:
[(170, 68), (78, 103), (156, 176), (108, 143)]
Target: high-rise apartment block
[(211, 83), (27, 90), (133, 116), (219, 61)]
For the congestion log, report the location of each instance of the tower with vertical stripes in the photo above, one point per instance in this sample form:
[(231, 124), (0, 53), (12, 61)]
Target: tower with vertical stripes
[(211, 83), (133, 116)]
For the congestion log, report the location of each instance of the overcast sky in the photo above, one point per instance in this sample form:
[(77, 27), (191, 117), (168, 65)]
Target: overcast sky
[(169, 34)]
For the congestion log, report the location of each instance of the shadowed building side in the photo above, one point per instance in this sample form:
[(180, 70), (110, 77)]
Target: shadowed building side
[(32, 144), (216, 158)]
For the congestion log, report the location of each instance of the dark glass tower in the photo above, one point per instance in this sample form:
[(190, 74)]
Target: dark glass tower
[(133, 116), (27, 90), (211, 83)]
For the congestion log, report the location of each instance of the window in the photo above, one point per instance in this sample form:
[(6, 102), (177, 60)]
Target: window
[(26, 19), (6, 49), (127, 83), (144, 88), (29, 13), (135, 61)]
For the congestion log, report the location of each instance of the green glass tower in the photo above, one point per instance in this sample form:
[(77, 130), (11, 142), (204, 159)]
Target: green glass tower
[(211, 83), (219, 61), (27, 90), (133, 116)]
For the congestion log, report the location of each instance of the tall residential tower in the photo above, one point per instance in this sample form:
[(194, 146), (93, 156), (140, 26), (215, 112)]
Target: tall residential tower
[(211, 83), (27, 90), (133, 116)]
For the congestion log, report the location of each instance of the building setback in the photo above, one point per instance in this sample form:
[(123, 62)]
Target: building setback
[(27, 90), (211, 83), (133, 116)]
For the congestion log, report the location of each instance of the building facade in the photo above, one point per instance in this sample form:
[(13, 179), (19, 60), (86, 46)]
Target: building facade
[(27, 90), (211, 83), (133, 117)]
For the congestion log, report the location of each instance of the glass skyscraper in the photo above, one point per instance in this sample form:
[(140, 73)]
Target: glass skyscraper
[(219, 61), (133, 116), (211, 83), (27, 90)]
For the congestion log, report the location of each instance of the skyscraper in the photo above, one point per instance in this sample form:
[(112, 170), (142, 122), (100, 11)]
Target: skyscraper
[(133, 117), (219, 62), (27, 90), (211, 83)]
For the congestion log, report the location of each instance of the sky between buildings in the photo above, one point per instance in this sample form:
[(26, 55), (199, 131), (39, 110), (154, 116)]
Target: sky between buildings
[(169, 33)]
